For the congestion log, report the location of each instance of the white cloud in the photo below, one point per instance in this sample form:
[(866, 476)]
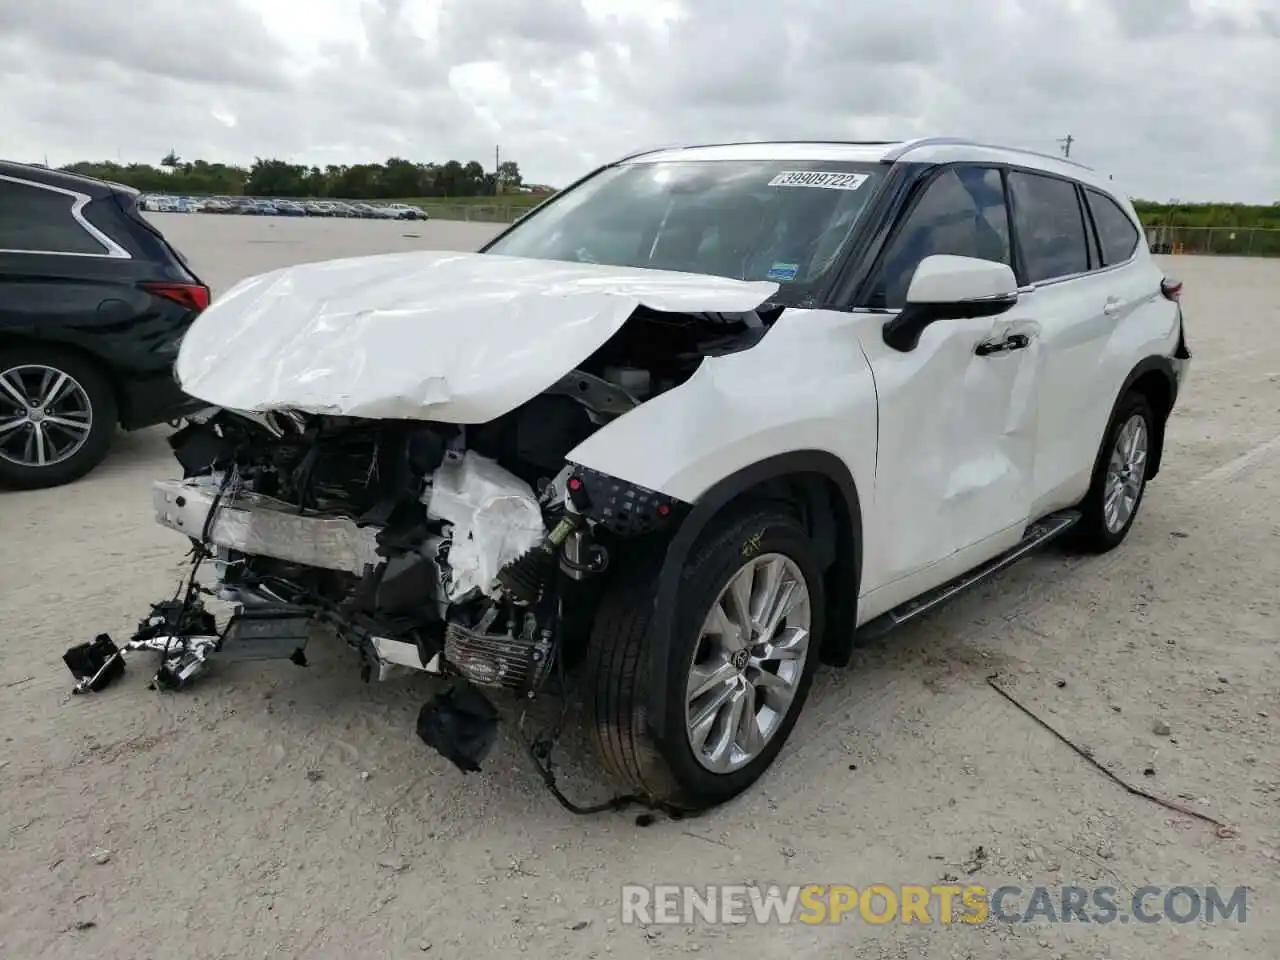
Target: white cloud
[(1176, 97)]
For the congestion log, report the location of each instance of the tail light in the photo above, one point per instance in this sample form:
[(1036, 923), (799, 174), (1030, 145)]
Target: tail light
[(193, 296), (1172, 289)]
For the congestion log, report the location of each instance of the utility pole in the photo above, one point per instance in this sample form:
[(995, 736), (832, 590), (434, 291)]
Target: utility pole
[(1066, 143), (497, 166)]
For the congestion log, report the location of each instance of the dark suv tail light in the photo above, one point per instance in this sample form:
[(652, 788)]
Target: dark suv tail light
[(1172, 289), (194, 296)]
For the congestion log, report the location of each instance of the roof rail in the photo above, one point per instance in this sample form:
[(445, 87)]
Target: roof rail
[(647, 150), (907, 146), (741, 143), (832, 140), (902, 150), (1051, 156)]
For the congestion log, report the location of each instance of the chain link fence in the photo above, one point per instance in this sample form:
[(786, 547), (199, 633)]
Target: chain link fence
[(1220, 241), (480, 213)]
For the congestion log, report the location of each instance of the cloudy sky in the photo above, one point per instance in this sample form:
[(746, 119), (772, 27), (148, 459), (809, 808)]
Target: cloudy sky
[(1178, 98)]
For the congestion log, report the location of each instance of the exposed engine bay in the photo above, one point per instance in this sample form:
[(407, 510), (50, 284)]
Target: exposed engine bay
[(474, 551)]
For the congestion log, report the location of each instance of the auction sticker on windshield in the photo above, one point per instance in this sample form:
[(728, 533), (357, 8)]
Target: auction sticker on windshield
[(819, 178)]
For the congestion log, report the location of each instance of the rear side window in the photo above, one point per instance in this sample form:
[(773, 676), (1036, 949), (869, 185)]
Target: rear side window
[(1050, 226), (962, 213), (1116, 232), (36, 220)]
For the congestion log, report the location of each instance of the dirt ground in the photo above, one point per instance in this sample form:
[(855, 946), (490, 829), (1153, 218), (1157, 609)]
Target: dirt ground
[(279, 811)]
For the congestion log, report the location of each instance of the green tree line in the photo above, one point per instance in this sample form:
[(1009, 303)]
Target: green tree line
[(395, 179), (1240, 216), (399, 178)]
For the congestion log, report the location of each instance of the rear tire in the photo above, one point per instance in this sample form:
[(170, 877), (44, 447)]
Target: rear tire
[(752, 550), (1119, 478), (54, 406)]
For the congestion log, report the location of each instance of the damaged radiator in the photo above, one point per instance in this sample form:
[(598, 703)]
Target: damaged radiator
[(262, 526)]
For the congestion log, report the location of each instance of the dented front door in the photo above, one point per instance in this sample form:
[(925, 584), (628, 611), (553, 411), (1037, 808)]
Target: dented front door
[(956, 444)]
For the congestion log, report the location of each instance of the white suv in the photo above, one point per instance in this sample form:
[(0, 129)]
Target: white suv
[(677, 435)]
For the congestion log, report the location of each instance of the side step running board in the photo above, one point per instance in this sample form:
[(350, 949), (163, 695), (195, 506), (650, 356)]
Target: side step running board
[(1037, 535)]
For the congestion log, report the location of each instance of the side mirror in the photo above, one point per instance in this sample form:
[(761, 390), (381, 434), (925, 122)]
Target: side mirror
[(951, 288)]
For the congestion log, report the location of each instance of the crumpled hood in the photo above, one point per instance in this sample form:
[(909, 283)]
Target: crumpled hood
[(453, 337)]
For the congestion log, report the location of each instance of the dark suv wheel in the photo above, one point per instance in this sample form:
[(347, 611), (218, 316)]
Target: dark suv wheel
[(57, 417)]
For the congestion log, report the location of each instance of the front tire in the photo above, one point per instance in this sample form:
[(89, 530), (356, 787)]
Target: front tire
[(1119, 478), (748, 628), (57, 417)]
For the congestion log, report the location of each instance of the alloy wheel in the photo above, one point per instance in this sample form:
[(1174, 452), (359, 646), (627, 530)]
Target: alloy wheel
[(1126, 471), (45, 415), (748, 663)]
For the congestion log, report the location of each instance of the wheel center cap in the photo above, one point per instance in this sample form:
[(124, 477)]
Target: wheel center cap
[(35, 415), (740, 659)]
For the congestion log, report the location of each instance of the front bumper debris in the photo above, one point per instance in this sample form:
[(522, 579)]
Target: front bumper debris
[(187, 637), (183, 633), (262, 526)]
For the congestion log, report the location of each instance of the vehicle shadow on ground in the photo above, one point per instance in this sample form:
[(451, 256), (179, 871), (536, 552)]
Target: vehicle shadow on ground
[(131, 464), (375, 723), (136, 451)]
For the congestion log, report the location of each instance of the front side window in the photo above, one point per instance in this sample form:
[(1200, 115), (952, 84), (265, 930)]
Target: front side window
[(1050, 226), (35, 220), (1116, 232), (962, 213), (784, 221)]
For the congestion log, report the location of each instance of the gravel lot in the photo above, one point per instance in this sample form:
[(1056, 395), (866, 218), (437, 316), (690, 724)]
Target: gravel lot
[(237, 820)]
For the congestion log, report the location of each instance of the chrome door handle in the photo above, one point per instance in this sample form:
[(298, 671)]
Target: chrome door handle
[(1111, 307), (1017, 341)]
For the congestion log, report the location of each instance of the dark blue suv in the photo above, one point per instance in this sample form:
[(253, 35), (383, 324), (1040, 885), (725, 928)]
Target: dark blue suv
[(93, 305)]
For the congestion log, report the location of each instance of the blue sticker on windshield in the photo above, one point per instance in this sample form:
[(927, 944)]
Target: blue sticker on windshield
[(783, 271)]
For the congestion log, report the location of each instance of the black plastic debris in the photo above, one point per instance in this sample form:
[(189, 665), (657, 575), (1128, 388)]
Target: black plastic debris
[(461, 724), (266, 632), (95, 665), (176, 618), (197, 446)]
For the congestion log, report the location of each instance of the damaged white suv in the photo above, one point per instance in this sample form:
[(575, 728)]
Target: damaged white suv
[(672, 438)]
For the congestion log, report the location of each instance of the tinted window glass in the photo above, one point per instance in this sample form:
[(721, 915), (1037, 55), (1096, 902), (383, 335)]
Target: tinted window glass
[(36, 220), (962, 213), (1117, 233), (781, 220), (1050, 226)]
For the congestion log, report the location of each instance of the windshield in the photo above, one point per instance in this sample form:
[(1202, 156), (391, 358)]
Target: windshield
[(782, 220)]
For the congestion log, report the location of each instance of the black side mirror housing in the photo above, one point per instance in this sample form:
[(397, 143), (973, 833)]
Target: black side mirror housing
[(903, 332)]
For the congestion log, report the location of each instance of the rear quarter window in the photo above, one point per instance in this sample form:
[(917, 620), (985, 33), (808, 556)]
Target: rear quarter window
[(1050, 227), (36, 220), (1116, 231)]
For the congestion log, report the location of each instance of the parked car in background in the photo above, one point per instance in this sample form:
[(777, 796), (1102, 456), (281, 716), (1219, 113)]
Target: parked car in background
[(364, 209), (315, 208), (407, 211), (218, 205), (93, 304), (289, 208), (341, 209)]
